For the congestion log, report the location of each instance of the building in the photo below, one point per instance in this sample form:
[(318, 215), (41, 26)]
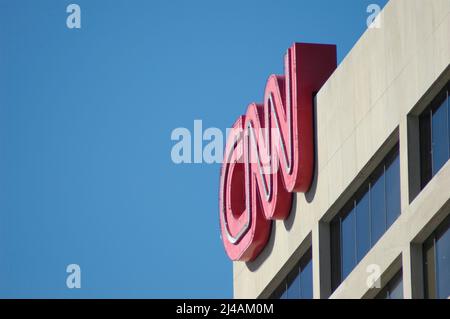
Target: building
[(379, 205)]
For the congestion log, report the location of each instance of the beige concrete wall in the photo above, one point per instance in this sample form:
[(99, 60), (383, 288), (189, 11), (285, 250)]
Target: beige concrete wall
[(360, 112)]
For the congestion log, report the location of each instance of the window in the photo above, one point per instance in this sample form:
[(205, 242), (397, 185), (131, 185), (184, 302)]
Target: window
[(436, 253), (434, 136), (298, 284), (394, 289), (365, 218)]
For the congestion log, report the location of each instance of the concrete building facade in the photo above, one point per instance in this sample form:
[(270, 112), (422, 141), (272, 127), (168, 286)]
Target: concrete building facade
[(380, 108)]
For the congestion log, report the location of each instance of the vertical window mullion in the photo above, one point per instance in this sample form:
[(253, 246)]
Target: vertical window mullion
[(436, 279), (448, 124), (431, 142), (336, 256), (300, 281), (355, 254), (341, 249), (385, 197), (285, 289), (370, 215)]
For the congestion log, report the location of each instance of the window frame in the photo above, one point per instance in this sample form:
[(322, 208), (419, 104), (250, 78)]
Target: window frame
[(427, 171), (336, 244), (386, 291), (429, 261), (292, 276)]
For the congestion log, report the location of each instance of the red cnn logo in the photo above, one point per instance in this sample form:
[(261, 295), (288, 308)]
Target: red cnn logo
[(270, 152)]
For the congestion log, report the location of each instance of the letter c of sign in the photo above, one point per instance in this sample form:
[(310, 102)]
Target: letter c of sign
[(270, 152)]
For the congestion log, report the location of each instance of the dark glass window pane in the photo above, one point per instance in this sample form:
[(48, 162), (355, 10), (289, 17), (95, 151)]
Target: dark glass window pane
[(393, 191), (284, 294), (396, 288), (306, 281), (443, 265), (348, 243), (377, 209), (439, 137), (362, 226), (298, 283), (363, 219), (293, 291), (429, 269), (425, 148), (335, 245)]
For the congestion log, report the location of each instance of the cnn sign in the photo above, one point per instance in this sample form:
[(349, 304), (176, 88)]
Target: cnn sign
[(269, 152)]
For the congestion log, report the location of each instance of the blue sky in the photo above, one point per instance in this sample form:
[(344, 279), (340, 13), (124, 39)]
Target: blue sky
[(86, 118)]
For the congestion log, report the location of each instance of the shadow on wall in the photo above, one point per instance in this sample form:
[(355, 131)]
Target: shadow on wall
[(311, 193)]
